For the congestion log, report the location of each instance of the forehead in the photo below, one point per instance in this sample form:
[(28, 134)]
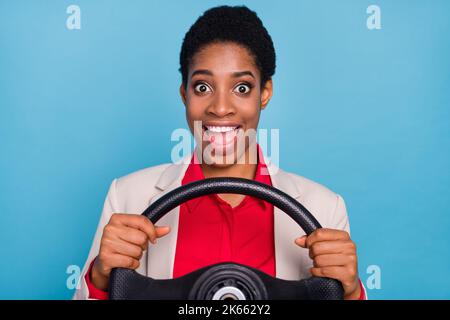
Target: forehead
[(222, 58)]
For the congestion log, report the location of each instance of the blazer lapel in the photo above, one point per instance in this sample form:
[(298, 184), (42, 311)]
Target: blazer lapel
[(288, 257), (160, 257)]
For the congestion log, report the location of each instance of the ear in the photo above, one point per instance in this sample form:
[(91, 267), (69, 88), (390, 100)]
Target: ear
[(266, 93), (183, 93)]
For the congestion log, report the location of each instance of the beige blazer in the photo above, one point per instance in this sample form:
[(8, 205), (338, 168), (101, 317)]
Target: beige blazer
[(133, 193)]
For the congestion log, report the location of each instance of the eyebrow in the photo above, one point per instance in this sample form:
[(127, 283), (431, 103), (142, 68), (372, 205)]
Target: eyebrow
[(236, 74)]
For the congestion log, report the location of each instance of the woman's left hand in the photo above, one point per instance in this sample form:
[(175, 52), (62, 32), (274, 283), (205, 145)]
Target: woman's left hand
[(334, 256)]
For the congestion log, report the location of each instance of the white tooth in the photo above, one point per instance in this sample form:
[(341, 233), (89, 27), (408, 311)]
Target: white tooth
[(220, 129)]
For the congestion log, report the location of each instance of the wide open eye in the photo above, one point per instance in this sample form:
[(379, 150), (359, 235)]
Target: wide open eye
[(202, 88), (242, 88)]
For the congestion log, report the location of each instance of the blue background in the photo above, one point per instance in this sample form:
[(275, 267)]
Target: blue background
[(364, 112)]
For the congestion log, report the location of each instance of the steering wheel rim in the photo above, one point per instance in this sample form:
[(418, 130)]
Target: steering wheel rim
[(315, 287), (199, 188)]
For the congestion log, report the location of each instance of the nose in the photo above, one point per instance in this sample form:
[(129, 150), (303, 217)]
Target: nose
[(221, 105)]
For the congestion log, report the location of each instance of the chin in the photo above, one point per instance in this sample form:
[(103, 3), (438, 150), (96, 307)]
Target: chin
[(229, 158)]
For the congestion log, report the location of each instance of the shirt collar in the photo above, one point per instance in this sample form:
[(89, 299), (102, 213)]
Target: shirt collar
[(194, 173)]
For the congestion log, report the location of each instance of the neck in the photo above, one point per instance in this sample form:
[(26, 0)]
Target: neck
[(246, 171)]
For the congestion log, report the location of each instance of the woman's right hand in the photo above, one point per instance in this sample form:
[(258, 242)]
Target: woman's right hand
[(123, 242)]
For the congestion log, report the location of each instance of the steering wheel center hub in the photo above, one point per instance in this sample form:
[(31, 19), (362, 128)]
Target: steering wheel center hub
[(228, 281)]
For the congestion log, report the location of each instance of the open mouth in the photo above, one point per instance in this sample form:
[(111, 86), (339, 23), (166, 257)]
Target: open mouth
[(221, 135)]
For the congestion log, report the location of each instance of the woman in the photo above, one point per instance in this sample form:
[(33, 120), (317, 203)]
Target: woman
[(227, 62)]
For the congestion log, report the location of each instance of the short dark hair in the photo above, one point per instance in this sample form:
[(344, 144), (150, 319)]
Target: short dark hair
[(236, 24)]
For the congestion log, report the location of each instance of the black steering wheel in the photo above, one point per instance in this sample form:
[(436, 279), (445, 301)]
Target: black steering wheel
[(225, 280)]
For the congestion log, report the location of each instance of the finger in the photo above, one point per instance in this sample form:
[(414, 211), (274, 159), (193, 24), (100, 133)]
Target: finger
[(324, 234), (116, 260), (162, 231), (133, 236), (329, 260), (138, 222), (301, 241), (328, 272), (124, 248), (331, 247)]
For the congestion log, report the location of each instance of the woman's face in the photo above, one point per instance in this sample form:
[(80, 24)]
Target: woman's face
[(224, 93)]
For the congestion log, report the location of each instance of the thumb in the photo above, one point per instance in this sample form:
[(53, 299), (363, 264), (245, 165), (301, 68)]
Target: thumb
[(162, 231), (301, 241)]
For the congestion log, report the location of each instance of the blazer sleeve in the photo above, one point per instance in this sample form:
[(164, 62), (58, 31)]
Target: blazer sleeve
[(340, 221), (110, 206), (340, 217)]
